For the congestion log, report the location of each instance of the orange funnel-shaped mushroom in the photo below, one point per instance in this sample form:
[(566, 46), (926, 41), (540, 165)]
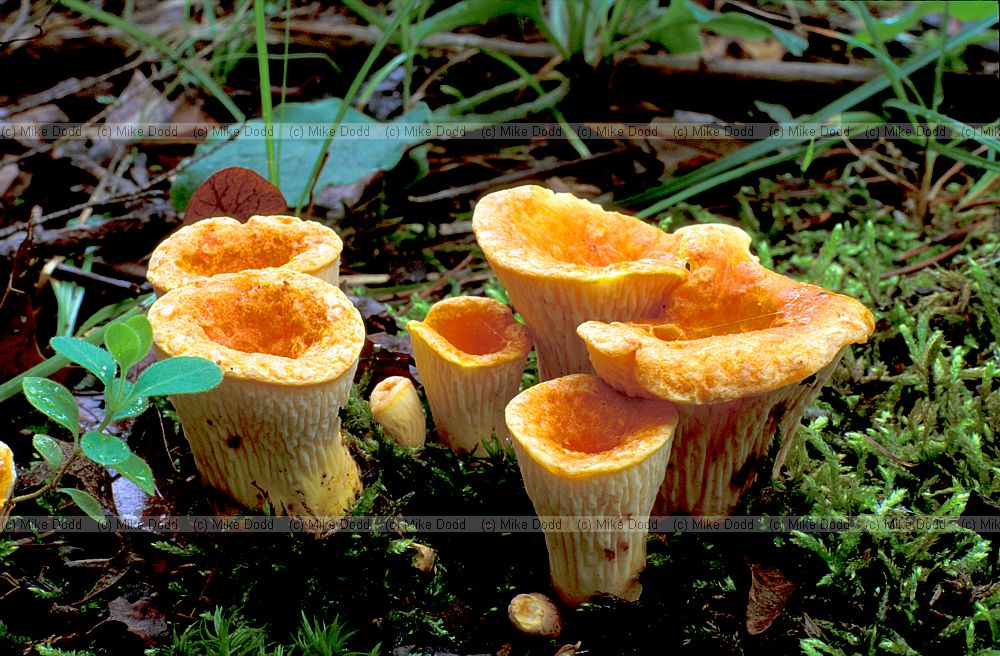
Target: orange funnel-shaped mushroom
[(595, 458), (740, 350), (8, 476), (224, 245), (470, 353), (288, 345), (565, 260)]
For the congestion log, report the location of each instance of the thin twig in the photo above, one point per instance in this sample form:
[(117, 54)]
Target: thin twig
[(923, 264)]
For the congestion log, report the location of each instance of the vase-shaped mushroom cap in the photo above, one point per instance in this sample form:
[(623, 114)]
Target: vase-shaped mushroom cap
[(741, 350), (224, 245), (470, 353), (596, 458), (565, 260), (288, 345), (472, 332), (732, 329), (578, 427)]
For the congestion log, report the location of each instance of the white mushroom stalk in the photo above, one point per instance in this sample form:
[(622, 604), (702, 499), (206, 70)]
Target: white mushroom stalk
[(224, 245), (288, 345), (595, 458), (470, 353)]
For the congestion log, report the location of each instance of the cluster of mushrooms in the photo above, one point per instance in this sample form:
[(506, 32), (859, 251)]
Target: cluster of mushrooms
[(671, 362)]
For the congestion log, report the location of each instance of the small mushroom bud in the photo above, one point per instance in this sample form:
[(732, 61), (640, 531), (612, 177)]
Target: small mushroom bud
[(534, 614), (8, 475), (396, 407)]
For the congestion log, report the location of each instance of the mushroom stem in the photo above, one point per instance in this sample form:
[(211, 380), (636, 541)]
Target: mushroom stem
[(594, 458), (288, 345), (283, 446), (396, 407), (470, 353), (719, 448)]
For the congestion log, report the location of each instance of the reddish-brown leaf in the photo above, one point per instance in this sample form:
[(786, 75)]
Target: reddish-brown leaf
[(17, 316), (236, 192), (770, 591)]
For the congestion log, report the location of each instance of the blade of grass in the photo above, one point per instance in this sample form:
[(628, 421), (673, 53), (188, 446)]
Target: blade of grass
[(574, 139), (378, 77), (817, 148), (842, 104), (931, 115), (155, 43), (264, 70), (284, 84), (401, 15)]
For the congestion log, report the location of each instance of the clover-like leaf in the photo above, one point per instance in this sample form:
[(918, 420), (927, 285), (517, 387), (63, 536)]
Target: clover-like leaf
[(140, 324), (49, 449), (87, 503), (92, 358), (104, 449), (136, 470), (125, 345), (179, 375), (54, 401)]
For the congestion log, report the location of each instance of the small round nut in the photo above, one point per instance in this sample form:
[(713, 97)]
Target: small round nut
[(535, 614)]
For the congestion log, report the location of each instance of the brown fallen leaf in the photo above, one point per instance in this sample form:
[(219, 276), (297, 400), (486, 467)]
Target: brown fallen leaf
[(236, 192), (142, 617), (770, 591), (425, 557), (8, 174), (17, 315)]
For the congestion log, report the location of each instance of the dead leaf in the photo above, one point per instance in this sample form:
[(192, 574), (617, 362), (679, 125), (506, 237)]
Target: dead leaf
[(142, 617), (17, 315), (425, 557), (139, 103), (236, 192), (35, 117), (770, 591), (8, 174), (762, 49)]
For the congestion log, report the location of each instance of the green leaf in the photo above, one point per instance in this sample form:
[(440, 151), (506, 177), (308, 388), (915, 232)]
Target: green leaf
[(104, 449), (54, 401), (179, 375), (49, 449), (741, 26), (87, 503), (347, 161), (134, 405), (136, 470), (110, 311), (92, 358), (680, 34), (140, 324), (125, 345)]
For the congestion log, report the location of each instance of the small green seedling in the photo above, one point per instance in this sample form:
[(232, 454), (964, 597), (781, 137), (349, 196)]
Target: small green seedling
[(126, 344)]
